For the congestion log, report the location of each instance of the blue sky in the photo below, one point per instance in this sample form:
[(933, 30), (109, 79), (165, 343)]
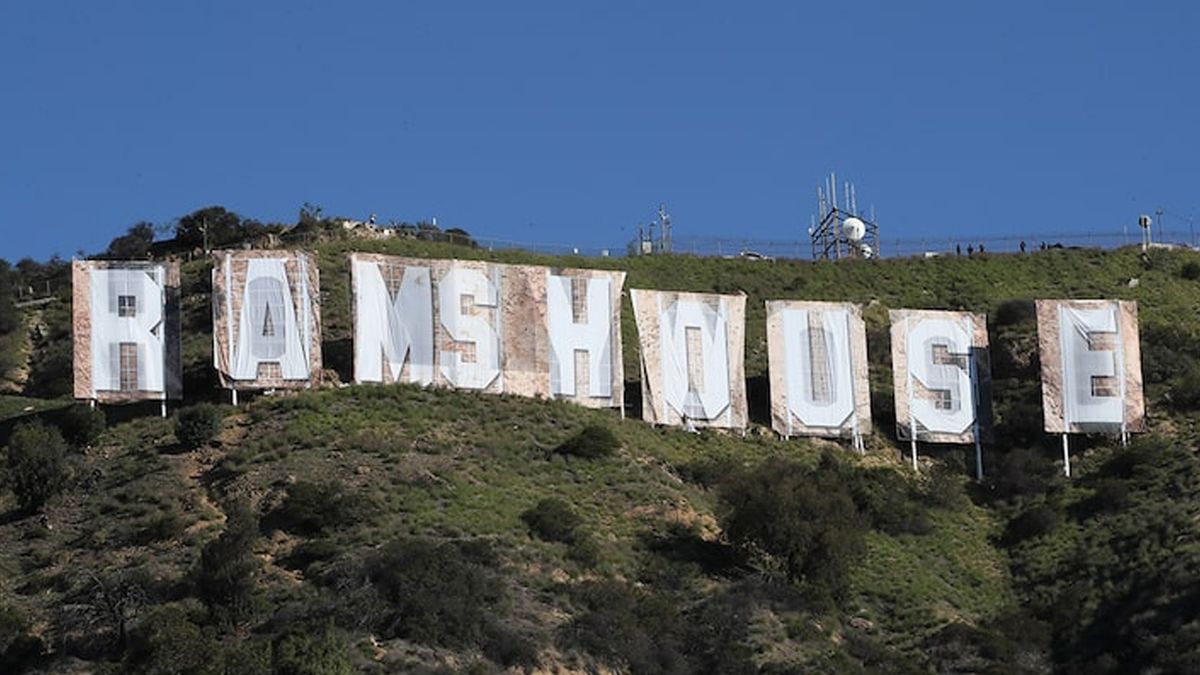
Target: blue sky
[(569, 122)]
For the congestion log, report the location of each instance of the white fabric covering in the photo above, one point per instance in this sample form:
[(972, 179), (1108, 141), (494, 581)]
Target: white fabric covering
[(146, 285), (567, 337), (469, 328), (1080, 363), (712, 399), (389, 330), (834, 408), (268, 329), (923, 336)]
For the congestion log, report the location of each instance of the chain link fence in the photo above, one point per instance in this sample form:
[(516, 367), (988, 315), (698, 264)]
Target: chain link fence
[(888, 247)]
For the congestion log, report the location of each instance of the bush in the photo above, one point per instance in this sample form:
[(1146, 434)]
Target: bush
[(1022, 472), (312, 508), (1015, 311), (81, 424), (166, 641), (437, 593), (1190, 270), (584, 550), (1035, 521), (552, 520), (306, 651), (629, 627), (806, 520), (593, 442), (36, 464), (1111, 495), (889, 503), (225, 579), (198, 425), (18, 648), (1185, 387)]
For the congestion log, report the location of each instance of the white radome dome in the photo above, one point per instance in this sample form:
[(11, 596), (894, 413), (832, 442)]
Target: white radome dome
[(854, 229)]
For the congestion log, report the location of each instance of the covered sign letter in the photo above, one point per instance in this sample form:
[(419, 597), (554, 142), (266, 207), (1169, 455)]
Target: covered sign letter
[(817, 355), (692, 351), (942, 374), (1091, 366), (266, 319), (126, 330)]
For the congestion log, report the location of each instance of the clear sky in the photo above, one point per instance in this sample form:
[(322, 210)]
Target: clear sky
[(568, 122)]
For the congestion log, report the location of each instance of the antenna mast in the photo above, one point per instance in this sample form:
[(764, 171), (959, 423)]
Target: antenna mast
[(840, 231), (664, 228)]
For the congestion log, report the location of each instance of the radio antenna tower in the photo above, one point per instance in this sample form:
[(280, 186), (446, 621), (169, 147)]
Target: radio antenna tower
[(842, 231)]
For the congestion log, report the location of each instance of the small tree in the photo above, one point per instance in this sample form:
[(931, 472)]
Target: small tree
[(306, 651), (198, 425), (135, 243), (36, 464), (226, 577), (553, 520), (806, 519), (593, 442), (312, 508), (81, 425)]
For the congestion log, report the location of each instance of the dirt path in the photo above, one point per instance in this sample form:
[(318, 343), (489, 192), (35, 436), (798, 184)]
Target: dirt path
[(13, 381)]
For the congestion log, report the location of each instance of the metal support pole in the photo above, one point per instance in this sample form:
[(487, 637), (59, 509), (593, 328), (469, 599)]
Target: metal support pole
[(913, 447), (1066, 456), (233, 394), (163, 409), (978, 458)]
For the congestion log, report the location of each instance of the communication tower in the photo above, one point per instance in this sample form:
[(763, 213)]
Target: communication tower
[(664, 229), (646, 243), (842, 231)]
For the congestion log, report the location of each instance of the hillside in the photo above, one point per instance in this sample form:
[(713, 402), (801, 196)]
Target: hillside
[(396, 529)]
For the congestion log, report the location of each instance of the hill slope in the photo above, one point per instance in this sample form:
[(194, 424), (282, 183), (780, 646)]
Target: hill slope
[(395, 528)]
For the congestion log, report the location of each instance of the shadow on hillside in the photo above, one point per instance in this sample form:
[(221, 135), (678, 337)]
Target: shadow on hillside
[(680, 544), (200, 383), (758, 400), (338, 356), (633, 399), (113, 414)]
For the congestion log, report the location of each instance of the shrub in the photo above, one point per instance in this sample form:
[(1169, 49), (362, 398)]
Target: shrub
[(1015, 311), (18, 648), (885, 498), (628, 626), (436, 593), (81, 424), (310, 651), (36, 464), (593, 442), (312, 508), (1111, 495), (552, 520), (1022, 472), (167, 641), (804, 519), (1185, 387), (584, 550), (509, 648), (226, 575), (198, 425), (1035, 521), (1190, 270)]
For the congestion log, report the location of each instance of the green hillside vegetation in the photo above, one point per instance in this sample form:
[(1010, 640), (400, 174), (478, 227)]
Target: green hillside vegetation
[(385, 529)]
